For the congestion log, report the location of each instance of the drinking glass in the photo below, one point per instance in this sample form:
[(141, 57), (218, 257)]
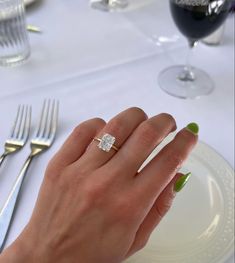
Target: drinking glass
[(109, 5), (14, 42), (196, 19)]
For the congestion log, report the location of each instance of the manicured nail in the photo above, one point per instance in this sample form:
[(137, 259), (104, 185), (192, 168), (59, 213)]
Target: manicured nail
[(193, 127), (181, 182)]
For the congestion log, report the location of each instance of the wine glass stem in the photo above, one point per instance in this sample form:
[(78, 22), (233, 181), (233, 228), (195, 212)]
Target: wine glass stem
[(188, 74), (110, 2)]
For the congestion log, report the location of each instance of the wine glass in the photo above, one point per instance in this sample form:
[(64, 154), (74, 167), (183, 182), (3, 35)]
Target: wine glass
[(196, 20), (109, 5)]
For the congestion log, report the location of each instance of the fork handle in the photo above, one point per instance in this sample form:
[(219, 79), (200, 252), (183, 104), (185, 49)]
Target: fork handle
[(6, 213), (2, 157)]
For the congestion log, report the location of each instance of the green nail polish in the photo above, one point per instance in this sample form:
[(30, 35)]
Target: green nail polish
[(181, 182), (193, 127)]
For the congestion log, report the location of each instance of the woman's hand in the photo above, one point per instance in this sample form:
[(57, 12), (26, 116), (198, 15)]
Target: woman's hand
[(94, 206)]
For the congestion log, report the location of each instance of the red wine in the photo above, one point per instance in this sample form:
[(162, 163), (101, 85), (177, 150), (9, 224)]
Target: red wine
[(198, 19)]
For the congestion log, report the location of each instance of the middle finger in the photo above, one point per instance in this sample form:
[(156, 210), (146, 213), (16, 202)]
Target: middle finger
[(142, 142)]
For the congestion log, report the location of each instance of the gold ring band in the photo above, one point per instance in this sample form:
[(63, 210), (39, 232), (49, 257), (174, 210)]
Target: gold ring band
[(106, 143), (113, 146)]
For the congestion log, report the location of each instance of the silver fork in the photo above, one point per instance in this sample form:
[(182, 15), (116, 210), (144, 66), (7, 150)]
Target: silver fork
[(19, 133), (44, 138)]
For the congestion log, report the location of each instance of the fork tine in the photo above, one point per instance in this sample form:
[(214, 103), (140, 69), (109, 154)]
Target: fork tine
[(16, 127), (15, 121), (41, 119), (41, 124), (54, 120), (47, 120), (22, 123), (27, 123)]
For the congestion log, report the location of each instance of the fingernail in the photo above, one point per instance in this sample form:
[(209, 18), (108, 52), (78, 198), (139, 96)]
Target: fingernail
[(193, 127), (181, 182)]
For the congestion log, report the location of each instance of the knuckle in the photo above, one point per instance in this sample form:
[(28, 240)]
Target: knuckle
[(170, 197), (164, 207), (57, 180), (167, 116), (142, 243), (94, 193), (148, 133), (70, 179), (74, 173), (53, 171), (63, 185), (79, 130), (98, 122), (169, 119), (50, 175), (116, 126), (123, 206), (138, 111), (125, 212), (90, 195), (173, 160)]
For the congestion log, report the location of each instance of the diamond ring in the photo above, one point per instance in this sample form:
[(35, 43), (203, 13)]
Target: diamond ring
[(106, 143)]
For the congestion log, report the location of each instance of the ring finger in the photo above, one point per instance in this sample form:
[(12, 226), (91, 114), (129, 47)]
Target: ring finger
[(120, 127)]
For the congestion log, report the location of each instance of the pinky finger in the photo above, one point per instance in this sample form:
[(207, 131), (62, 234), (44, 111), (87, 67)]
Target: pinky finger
[(158, 211)]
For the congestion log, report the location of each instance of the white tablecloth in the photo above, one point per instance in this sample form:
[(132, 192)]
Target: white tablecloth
[(98, 64)]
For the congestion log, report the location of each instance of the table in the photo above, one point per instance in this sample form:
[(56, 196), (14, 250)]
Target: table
[(85, 56)]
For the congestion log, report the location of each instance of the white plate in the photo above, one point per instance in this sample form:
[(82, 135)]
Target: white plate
[(29, 2), (200, 226)]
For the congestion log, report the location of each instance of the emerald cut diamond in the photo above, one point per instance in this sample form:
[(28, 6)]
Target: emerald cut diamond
[(106, 142)]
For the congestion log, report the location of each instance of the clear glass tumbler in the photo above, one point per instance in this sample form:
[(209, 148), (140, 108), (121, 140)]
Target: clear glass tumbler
[(14, 41)]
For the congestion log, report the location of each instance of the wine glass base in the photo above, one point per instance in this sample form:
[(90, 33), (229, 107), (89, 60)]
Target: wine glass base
[(110, 5), (170, 82)]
